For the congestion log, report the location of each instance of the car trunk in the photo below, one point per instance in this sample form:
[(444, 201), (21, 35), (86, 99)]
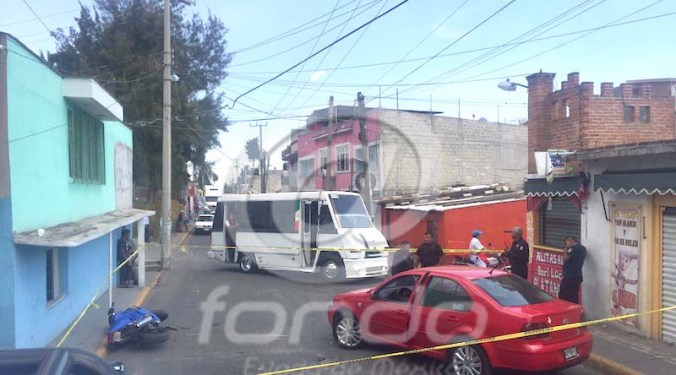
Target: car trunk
[(554, 313)]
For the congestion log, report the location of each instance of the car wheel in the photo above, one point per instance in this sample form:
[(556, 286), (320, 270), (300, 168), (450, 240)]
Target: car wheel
[(346, 331), (332, 269), (247, 263), (469, 360)]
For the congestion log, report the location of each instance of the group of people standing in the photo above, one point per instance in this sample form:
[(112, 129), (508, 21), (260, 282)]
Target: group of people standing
[(430, 254)]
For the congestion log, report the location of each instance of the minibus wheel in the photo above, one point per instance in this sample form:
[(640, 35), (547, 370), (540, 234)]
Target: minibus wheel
[(332, 269), (247, 263)]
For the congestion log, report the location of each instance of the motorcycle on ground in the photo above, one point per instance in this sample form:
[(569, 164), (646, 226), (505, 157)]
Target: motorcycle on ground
[(138, 325)]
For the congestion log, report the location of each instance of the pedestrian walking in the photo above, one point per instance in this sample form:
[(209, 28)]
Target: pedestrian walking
[(518, 254), (401, 259), (475, 248), (573, 260), (429, 254)]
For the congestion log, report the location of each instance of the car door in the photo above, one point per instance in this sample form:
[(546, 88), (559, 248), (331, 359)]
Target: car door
[(443, 310), (386, 319)]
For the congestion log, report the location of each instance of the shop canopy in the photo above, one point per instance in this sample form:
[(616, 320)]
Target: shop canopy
[(637, 183), (564, 186)]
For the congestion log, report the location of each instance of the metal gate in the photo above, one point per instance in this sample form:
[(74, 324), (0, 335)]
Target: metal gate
[(669, 274)]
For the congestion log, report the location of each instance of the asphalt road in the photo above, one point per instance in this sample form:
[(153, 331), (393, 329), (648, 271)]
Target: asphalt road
[(200, 346)]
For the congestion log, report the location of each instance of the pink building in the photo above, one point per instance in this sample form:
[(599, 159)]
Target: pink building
[(325, 154)]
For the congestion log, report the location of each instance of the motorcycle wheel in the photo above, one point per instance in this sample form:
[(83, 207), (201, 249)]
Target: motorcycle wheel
[(161, 314), (155, 336)]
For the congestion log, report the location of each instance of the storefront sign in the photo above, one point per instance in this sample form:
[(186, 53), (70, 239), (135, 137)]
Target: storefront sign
[(624, 262), (547, 270)]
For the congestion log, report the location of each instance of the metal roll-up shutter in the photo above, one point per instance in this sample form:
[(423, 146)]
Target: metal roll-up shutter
[(557, 221), (669, 274)]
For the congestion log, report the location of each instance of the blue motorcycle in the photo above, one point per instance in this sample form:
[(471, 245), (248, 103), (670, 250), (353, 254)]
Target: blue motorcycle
[(138, 325)]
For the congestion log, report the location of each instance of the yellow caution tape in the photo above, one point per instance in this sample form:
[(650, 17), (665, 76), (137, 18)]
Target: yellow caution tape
[(96, 296), (510, 336)]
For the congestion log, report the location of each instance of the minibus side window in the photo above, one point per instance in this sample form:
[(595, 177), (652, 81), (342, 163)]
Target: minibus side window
[(326, 225)]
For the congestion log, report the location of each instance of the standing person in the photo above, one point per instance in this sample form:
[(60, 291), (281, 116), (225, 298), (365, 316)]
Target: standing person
[(402, 260), (124, 251), (231, 226), (180, 222), (518, 253), (429, 253), (146, 225), (475, 248), (573, 260)]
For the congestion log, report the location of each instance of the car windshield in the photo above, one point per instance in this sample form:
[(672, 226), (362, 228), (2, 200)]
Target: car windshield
[(511, 291), (212, 199), (350, 211), (205, 218)]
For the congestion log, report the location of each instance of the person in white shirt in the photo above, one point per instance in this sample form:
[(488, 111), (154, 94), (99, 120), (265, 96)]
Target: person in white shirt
[(475, 248)]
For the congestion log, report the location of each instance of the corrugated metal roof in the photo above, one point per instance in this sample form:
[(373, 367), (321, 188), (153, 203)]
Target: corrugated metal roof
[(454, 198)]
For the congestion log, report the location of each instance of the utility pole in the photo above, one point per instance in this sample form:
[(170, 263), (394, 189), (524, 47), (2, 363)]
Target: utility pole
[(329, 144), (366, 192), (166, 142), (261, 162)]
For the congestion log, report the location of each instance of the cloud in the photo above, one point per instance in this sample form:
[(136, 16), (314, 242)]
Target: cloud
[(317, 75)]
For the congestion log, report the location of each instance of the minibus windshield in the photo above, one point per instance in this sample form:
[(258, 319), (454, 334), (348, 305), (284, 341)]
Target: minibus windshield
[(350, 211)]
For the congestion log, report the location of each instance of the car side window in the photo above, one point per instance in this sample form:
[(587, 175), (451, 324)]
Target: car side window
[(446, 294), (398, 290)]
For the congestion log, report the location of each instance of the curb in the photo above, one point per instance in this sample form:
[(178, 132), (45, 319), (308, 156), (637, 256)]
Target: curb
[(102, 348), (609, 366)]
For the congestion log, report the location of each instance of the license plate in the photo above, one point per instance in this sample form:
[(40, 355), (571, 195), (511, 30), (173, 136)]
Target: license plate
[(570, 353), (117, 336)]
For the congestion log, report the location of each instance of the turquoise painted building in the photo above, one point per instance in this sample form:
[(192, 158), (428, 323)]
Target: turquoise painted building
[(65, 195)]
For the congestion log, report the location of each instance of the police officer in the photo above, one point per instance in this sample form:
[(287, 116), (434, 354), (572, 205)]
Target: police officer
[(518, 253)]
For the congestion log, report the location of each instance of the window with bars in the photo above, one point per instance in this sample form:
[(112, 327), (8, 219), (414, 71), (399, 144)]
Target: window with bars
[(343, 158), (86, 148)]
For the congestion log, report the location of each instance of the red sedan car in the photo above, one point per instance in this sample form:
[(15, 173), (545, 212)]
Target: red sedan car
[(435, 306)]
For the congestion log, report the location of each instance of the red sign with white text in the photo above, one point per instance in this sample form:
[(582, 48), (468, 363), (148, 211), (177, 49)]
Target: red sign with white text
[(547, 270)]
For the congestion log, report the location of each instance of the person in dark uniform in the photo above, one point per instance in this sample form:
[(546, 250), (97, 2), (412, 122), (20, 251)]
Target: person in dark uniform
[(124, 250), (401, 259), (573, 260), (518, 253), (429, 253)]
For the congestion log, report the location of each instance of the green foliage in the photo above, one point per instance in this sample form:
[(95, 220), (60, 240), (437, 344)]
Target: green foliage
[(253, 149), (120, 44)]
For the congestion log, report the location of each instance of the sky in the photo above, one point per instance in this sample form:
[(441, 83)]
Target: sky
[(452, 64)]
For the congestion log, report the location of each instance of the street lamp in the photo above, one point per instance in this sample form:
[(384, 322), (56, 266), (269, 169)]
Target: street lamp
[(508, 85)]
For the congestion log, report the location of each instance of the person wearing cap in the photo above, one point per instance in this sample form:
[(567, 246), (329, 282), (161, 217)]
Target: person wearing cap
[(518, 253), (573, 260), (475, 248)]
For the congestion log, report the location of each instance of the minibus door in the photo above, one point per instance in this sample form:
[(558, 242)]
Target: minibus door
[(309, 232)]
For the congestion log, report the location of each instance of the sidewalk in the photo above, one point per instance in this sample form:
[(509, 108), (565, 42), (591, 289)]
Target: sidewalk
[(619, 352), (90, 333)]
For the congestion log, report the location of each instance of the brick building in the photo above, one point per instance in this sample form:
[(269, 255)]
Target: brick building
[(613, 188)]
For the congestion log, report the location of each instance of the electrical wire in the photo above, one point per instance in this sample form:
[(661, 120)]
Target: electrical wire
[(345, 55), (268, 57), (321, 34), (293, 31), (317, 53), (35, 18), (38, 17), (569, 41), (453, 43)]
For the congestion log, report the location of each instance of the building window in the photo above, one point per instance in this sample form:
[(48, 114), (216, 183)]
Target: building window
[(306, 169), (565, 103), (85, 148), (628, 114), (343, 158), (56, 266), (557, 220), (358, 160), (644, 114)]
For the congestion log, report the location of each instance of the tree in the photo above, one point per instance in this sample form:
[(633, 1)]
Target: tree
[(119, 43), (253, 150)]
